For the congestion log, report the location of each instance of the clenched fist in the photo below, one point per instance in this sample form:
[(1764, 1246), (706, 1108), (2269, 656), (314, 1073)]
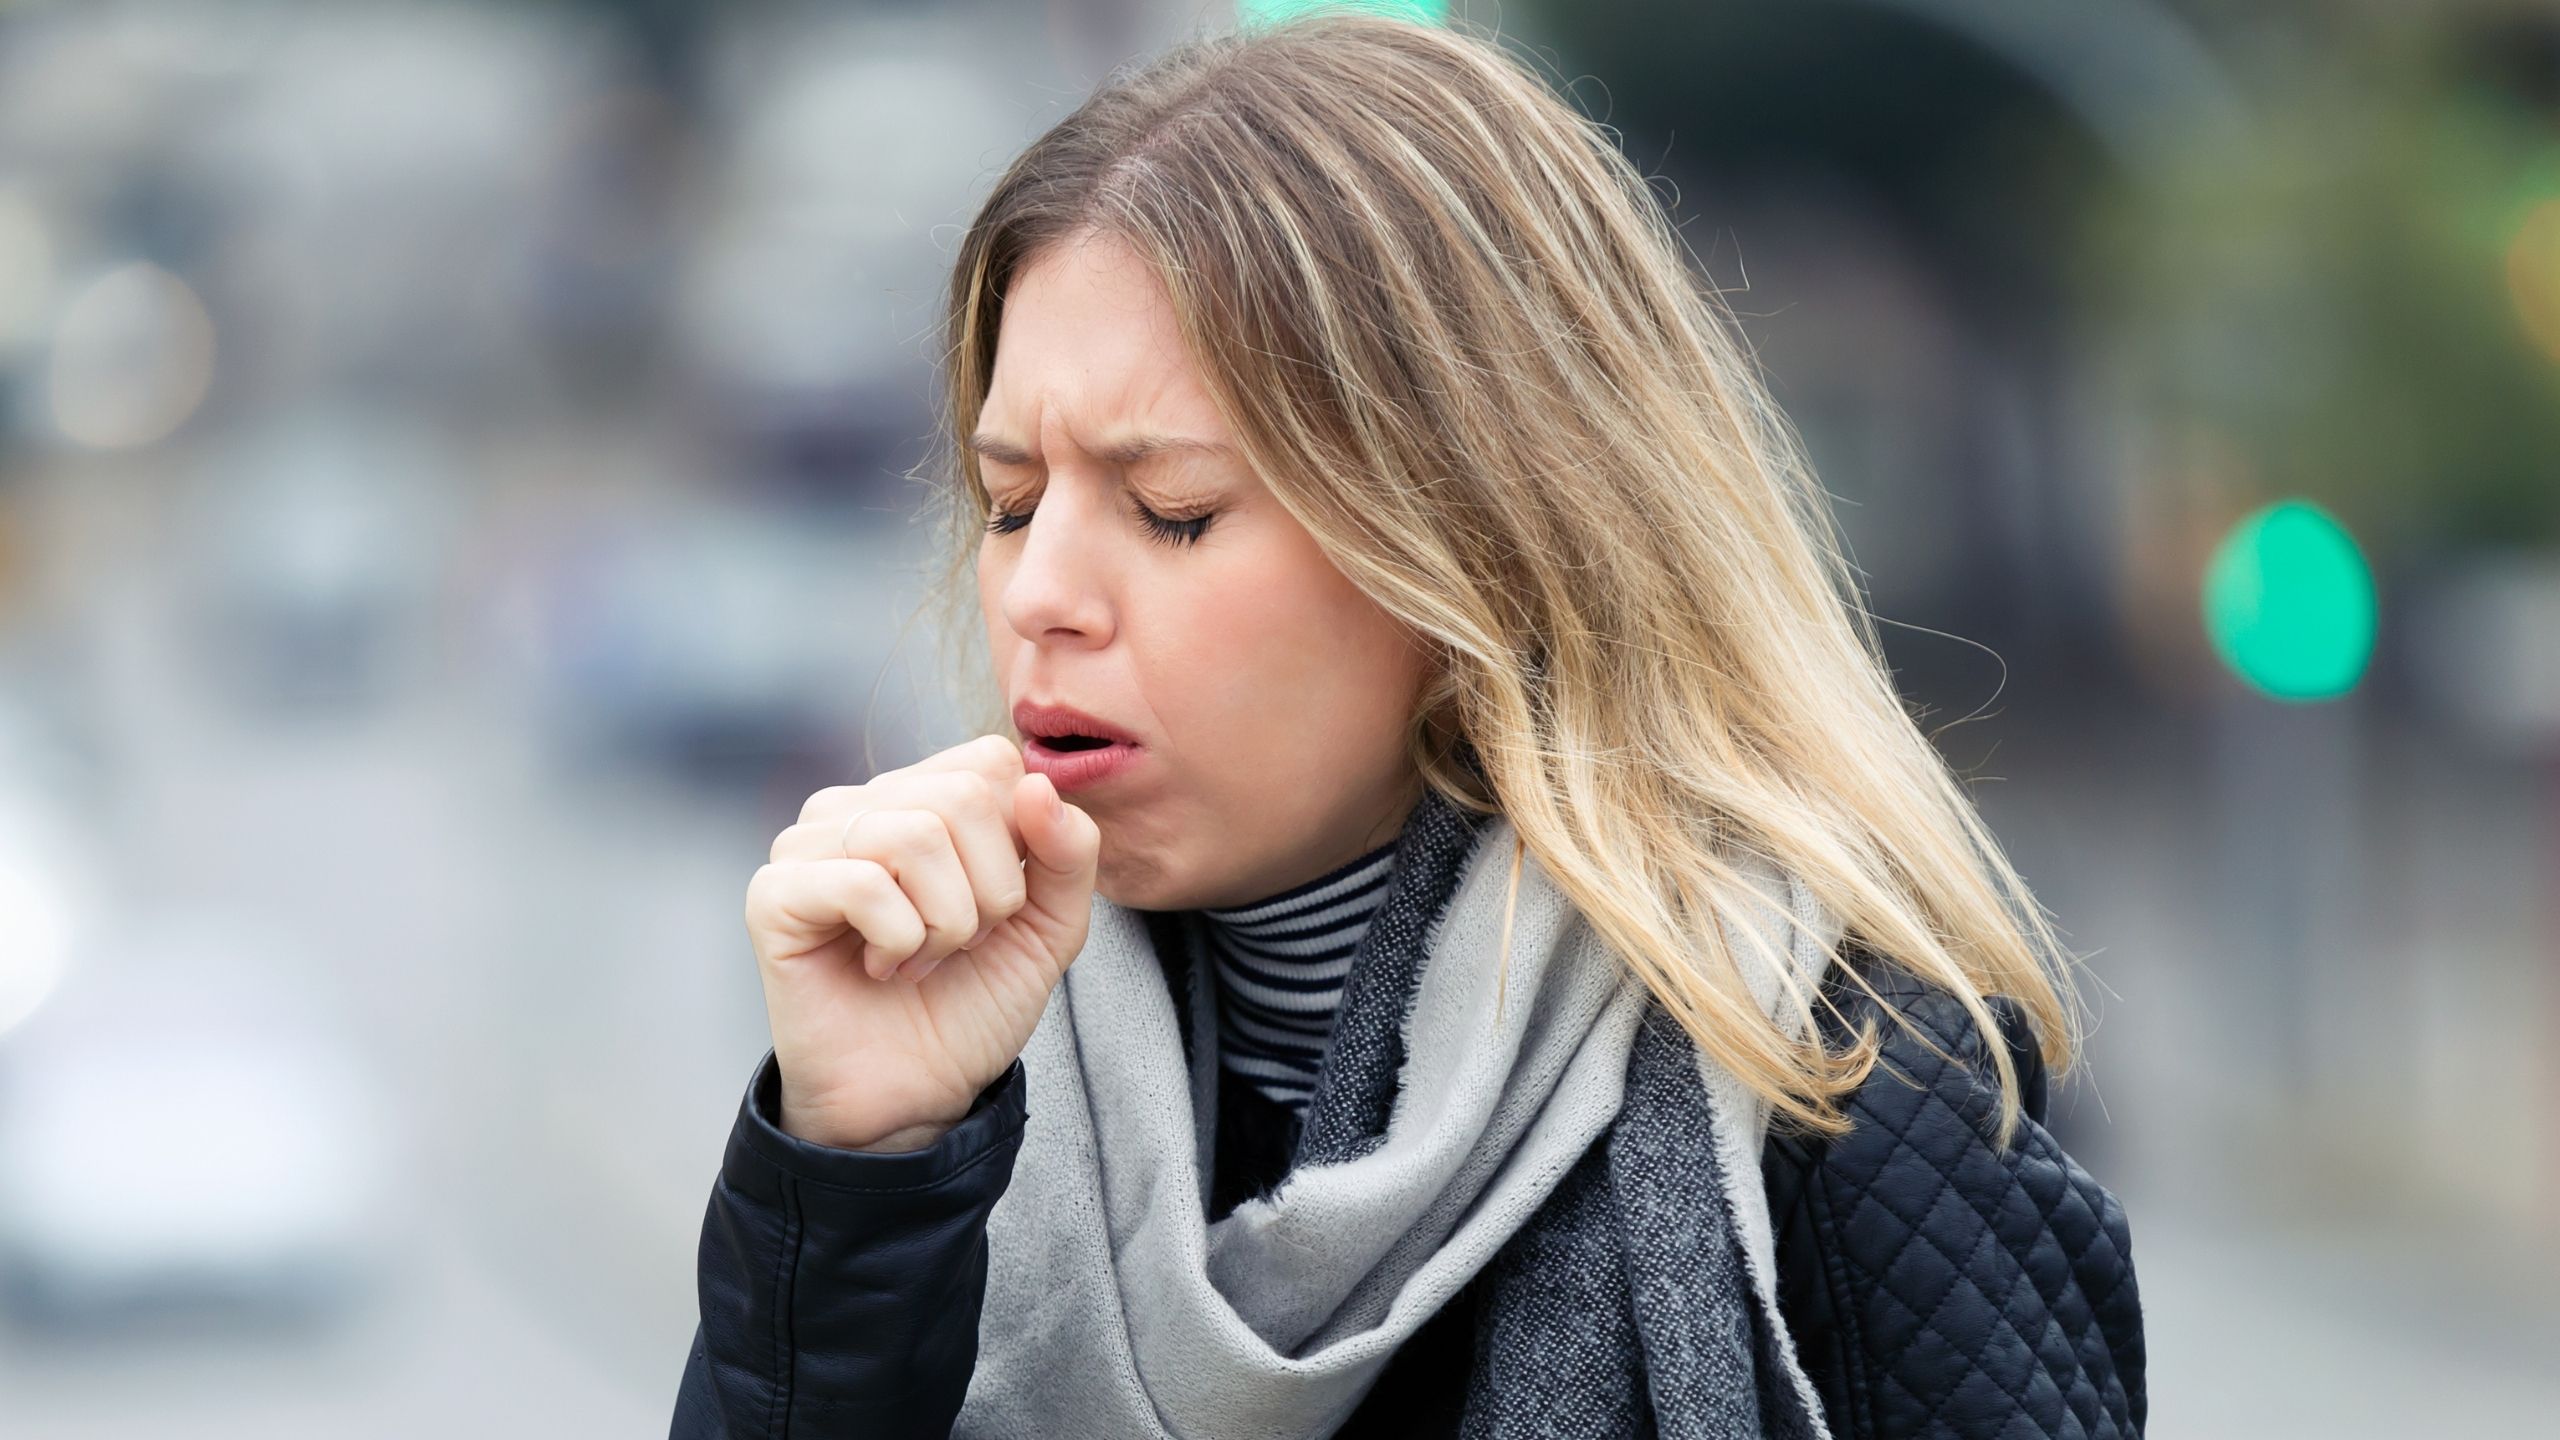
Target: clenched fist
[(909, 931)]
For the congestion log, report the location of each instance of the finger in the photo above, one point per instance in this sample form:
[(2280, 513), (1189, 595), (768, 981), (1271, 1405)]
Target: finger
[(795, 908), (915, 847), (824, 813), (989, 849), (838, 801), (979, 814), (1063, 847), (992, 755), (988, 840)]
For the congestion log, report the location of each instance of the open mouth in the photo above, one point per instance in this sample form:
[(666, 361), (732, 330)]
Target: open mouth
[(1076, 762)]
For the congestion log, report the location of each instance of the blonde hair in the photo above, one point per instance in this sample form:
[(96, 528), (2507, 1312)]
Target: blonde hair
[(1454, 332)]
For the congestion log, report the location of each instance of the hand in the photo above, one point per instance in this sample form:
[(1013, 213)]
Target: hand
[(909, 931)]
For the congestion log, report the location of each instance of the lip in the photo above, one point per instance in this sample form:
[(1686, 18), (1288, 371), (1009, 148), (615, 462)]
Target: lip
[(1073, 770), (1033, 717)]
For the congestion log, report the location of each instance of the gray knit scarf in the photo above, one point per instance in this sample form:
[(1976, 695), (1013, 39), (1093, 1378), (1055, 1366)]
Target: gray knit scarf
[(1544, 1124)]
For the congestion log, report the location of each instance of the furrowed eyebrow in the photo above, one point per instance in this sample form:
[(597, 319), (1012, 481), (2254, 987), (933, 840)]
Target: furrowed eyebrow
[(999, 449), (1144, 447), (1124, 453)]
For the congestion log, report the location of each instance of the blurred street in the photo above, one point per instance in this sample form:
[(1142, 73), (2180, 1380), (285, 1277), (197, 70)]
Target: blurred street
[(456, 503)]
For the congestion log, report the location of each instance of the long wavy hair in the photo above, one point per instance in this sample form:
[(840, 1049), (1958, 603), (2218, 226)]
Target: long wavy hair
[(1455, 334)]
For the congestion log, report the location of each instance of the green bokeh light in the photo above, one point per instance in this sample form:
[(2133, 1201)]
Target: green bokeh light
[(1263, 12), (2288, 602)]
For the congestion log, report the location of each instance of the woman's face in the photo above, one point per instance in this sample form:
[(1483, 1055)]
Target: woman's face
[(1159, 587)]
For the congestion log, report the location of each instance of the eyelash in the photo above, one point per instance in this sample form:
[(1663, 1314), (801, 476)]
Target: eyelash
[(1171, 532)]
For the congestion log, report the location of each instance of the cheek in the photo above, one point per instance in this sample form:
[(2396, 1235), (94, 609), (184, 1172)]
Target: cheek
[(1003, 652), (1282, 656), (991, 576)]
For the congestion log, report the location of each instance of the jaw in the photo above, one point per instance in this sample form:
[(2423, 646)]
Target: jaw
[(1140, 870)]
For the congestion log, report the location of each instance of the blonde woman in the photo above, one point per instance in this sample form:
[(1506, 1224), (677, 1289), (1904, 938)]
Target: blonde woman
[(1449, 928)]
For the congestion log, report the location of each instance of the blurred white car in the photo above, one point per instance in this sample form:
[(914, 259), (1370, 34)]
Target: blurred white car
[(179, 1130)]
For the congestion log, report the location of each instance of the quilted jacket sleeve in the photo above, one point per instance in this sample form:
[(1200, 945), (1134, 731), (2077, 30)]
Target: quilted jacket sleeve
[(1936, 1285), (840, 1290)]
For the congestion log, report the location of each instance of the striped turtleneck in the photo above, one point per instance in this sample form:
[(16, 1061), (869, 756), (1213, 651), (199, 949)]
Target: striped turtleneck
[(1280, 963)]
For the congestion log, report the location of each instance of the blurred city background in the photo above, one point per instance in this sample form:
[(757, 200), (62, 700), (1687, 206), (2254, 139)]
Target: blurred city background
[(454, 507)]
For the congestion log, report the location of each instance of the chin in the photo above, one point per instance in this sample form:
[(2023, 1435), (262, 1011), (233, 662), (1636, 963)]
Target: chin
[(1137, 884), (1137, 880)]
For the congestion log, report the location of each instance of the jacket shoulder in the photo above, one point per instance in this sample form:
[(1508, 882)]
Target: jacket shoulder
[(1936, 1282)]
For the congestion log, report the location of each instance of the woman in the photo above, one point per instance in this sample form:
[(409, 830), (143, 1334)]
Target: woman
[(1529, 974)]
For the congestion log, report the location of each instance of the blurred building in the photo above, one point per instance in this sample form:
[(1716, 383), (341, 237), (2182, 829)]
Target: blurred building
[(458, 464)]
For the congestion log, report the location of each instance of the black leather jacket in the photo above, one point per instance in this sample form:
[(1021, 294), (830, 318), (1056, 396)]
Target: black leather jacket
[(1935, 1285)]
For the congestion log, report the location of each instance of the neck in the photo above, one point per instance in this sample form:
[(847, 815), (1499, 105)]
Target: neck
[(1281, 963), (1381, 834)]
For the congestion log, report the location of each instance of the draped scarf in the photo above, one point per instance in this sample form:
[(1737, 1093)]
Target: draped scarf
[(1534, 1119)]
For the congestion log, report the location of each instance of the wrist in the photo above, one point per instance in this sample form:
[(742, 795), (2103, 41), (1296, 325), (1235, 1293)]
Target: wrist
[(871, 1135), (899, 1142), (762, 1159)]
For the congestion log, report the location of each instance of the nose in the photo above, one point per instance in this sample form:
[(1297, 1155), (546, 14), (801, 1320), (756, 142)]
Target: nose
[(1058, 591)]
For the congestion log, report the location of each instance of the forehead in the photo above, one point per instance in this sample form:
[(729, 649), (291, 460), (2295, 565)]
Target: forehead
[(1089, 341)]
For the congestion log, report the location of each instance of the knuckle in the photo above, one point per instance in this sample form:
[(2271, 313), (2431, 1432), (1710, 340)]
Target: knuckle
[(875, 904), (832, 800), (970, 795), (918, 833), (895, 834), (870, 880), (813, 839), (760, 890), (898, 928)]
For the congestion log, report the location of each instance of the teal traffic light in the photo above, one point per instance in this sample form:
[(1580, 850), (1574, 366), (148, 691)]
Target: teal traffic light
[(1261, 12), (2289, 604)]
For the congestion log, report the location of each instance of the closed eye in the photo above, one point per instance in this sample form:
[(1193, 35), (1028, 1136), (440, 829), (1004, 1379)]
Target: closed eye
[(1171, 530), (1175, 532)]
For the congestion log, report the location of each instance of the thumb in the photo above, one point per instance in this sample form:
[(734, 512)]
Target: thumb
[(1063, 846)]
